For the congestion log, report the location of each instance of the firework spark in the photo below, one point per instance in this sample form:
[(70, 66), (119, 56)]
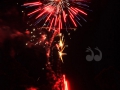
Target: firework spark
[(60, 46), (57, 14)]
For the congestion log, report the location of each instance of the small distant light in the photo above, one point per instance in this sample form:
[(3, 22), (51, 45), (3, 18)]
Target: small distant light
[(42, 68), (27, 22), (17, 3), (74, 29), (33, 35), (38, 78), (68, 33), (60, 34), (26, 44), (34, 29), (48, 62), (30, 24), (22, 11), (66, 45), (31, 32)]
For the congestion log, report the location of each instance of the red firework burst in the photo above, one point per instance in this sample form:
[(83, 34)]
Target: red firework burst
[(58, 13)]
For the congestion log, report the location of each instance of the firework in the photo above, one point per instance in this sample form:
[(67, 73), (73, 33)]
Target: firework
[(57, 14)]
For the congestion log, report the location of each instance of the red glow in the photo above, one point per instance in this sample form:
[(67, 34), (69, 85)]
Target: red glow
[(72, 10), (33, 3), (73, 21), (31, 88), (55, 20), (60, 24), (64, 16), (81, 11), (27, 32), (49, 9), (51, 24), (57, 0), (43, 37), (34, 12), (48, 17), (65, 83), (71, 14), (40, 14)]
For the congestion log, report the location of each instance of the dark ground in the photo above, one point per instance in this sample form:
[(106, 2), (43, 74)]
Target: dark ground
[(20, 66)]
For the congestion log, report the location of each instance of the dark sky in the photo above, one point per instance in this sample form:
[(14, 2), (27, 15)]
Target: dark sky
[(99, 32)]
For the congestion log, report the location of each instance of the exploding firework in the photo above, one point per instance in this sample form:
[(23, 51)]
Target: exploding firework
[(57, 14)]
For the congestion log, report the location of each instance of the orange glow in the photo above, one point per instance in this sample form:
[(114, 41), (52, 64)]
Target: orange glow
[(61, 42), (60, 46)]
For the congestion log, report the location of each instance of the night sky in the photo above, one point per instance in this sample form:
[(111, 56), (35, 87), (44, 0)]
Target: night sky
[(99, 31)]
